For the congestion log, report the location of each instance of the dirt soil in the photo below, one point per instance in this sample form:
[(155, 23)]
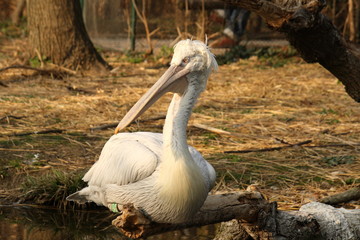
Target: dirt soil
[(252, 104)]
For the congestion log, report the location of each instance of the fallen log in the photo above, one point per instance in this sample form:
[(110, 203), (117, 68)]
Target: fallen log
[(217, 208), (313, 221), (254, 216)]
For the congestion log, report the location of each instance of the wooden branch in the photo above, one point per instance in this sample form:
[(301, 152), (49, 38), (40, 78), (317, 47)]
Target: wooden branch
[(197, 4), (19, 150), (144, 20), (112, 125), (347, 196), (212, 129), (154, 31), (257, 217), (270, 149), (57, 73), (293, 145), (217, 208), (313, 35), (38, 132), (11, 116), (278, 12), (223, 132), (21, 66)]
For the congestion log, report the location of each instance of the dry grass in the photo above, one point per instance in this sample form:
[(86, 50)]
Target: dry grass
[(259, 105)]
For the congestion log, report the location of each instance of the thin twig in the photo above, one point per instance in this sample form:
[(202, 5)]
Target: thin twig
[(19, 150), (294, 145), (39, 57), (112, 125), (38, 132), (56, 72), (223, 132), (11, 116), (154, 31), (333, 145), (270, 149), (21, 66), (143, 18), (62, 68)]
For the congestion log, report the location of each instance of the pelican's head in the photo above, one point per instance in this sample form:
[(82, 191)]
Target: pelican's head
[(194, 57), (191, 64)]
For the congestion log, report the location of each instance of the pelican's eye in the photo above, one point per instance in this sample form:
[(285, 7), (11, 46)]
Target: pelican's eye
[(185, 60)]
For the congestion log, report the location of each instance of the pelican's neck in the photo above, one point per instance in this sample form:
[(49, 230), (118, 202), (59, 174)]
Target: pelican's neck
[(181, 182), (174, 132)]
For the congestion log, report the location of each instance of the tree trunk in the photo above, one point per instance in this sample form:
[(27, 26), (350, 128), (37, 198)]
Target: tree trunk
[(57, 32), (18, 12), (313, 35)]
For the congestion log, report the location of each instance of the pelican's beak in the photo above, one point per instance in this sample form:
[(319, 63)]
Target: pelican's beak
[(173, 80)]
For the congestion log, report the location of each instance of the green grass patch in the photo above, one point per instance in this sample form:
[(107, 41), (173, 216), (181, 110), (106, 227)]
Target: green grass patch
[(207, 110), (327, 111), (166, 52), (351, 181), (15, 163), (209, 137), (267, 56), (332, 121), (235, 158), (318, 179), (12, 31), (234, 54), (51, 188), (247, 111), (134, 57), (287, 119), (338, 160)]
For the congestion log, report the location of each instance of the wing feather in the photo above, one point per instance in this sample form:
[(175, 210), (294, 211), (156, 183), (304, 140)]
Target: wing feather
[(126, 158)]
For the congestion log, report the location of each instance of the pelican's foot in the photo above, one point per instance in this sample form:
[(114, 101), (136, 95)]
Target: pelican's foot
[(132, 223)]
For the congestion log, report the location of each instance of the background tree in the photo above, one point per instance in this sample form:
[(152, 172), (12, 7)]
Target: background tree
[(313, 35), (18, 11), (57, 32)]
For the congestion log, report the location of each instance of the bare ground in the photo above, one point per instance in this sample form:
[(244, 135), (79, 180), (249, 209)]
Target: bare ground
[(257, 105)]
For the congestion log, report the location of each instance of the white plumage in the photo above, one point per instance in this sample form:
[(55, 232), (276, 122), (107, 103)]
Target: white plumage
[(159, 173)]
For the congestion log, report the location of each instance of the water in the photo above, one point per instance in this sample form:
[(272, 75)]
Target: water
[(33, 223)]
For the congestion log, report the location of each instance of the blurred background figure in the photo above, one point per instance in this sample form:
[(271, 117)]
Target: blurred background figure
[(235, 24)]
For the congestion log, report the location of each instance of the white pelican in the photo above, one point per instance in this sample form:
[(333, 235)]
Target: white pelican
[(159, 173)]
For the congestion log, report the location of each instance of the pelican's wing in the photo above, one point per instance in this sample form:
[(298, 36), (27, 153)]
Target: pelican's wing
[(207, 170), (126, 158)]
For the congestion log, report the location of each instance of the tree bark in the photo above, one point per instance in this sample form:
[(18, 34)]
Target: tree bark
[(255, 218), (313, 221), (57, 32), (313, 35), (18, 12)]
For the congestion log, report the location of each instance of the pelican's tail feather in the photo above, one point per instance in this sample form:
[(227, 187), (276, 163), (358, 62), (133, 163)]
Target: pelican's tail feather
[(77, 197), (88, 194)]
